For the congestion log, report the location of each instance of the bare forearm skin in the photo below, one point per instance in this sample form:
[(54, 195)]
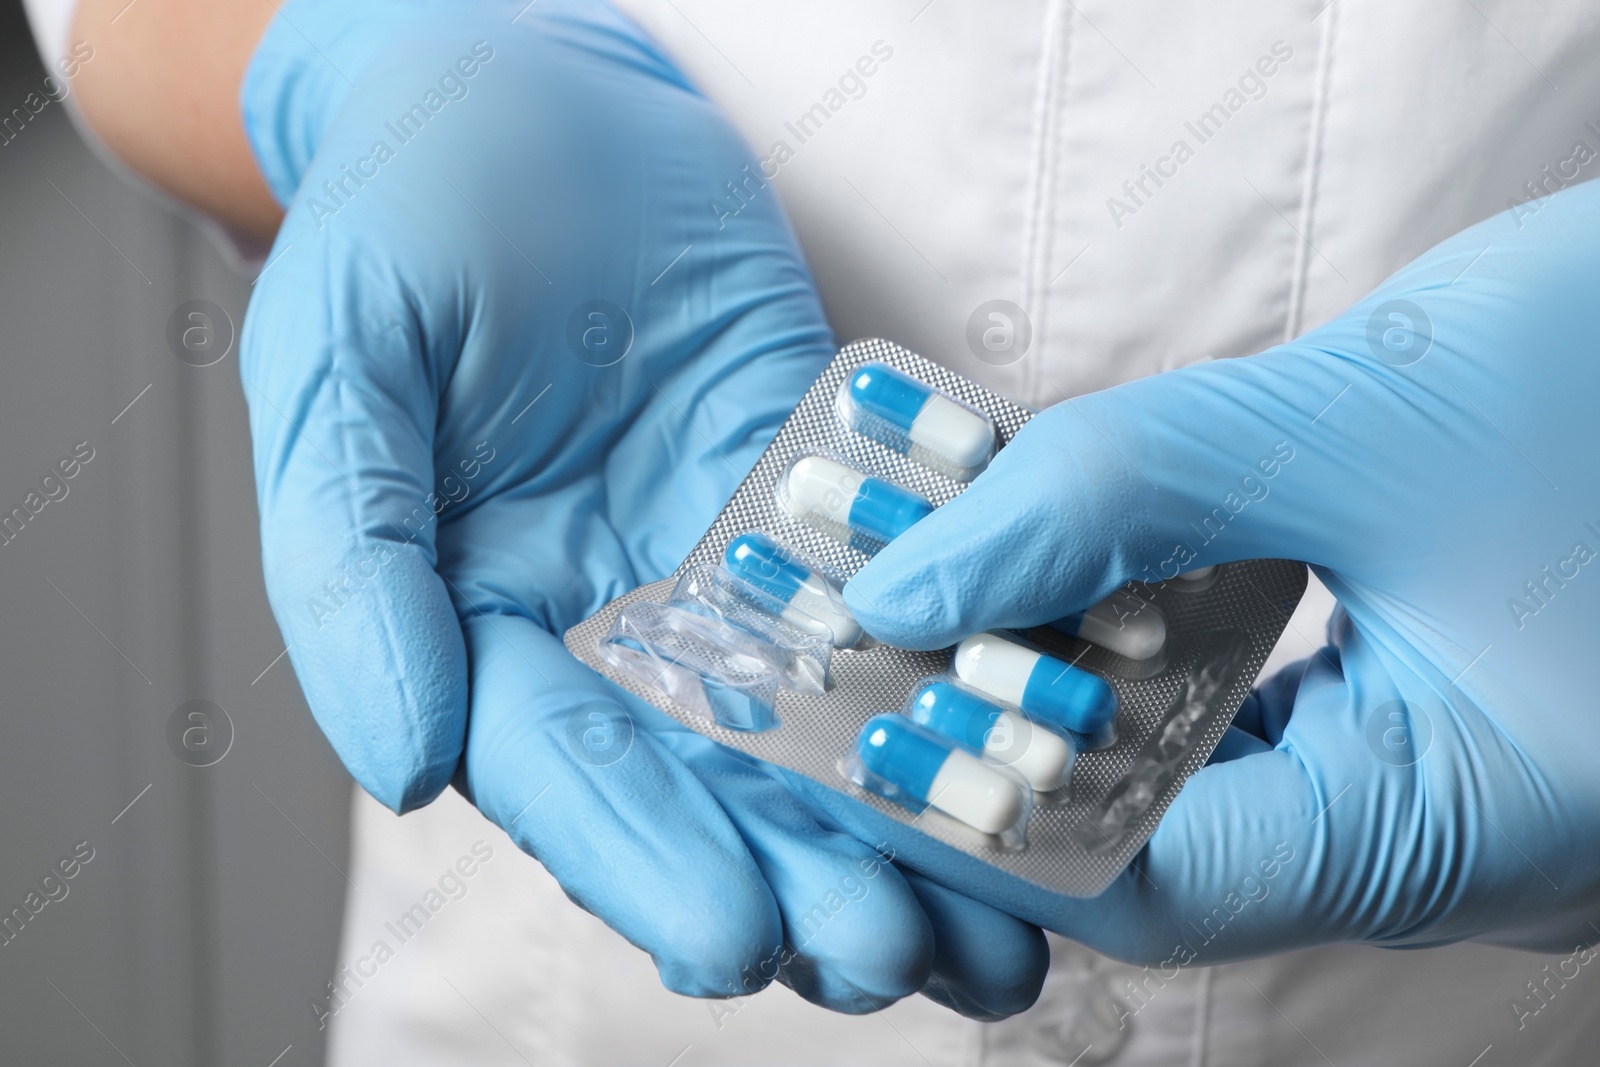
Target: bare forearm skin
[(163, 94)]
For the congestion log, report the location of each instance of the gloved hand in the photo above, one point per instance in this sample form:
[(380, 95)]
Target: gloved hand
[(532, 314), (1428, 776)]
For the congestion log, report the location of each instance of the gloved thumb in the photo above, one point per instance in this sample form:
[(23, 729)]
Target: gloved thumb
[(343, 406), (1222, 461)]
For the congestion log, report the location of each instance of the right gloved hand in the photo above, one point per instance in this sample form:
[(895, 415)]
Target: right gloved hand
[(507, 359), (1427, 777)]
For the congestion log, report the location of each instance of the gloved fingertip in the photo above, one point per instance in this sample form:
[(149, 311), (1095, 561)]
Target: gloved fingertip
[(861, 597), (953, 996), (862, 951), (709, 980), (829, 989), (987, 965), (406, 792), (409, 767), (894, 611), (714, 957), (376, 645), (1236, 744)]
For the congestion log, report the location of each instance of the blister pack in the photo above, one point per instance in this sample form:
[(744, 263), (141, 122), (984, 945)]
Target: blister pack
[(1050, 753)]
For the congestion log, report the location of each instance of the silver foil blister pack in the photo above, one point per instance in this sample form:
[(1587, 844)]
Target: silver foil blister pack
[(733, 661)]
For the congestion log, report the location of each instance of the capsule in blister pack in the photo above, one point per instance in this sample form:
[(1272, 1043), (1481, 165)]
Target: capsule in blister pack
[(1042, 758), (1122, 623), (1046, 688), (802, 591), (1196, 581), (858, 509), (917, 420), (916, 767)]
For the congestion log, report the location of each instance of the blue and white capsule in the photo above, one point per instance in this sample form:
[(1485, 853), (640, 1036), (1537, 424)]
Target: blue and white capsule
[(820, 487), (808, 597), (928, 425), (1043, 686), (1196, 581), (932, 769), (1042, 758), (1136, 634)]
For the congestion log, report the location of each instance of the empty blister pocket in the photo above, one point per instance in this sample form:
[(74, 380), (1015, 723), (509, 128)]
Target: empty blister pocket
[(720, 648)]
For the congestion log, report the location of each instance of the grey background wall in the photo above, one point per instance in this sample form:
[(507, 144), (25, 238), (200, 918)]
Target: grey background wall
[(208, 915)]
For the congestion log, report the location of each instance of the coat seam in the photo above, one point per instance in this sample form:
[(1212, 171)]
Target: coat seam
[(1048, 93), (1311, 185)]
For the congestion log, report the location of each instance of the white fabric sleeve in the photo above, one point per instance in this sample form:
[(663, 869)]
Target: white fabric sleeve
[(51, 21)]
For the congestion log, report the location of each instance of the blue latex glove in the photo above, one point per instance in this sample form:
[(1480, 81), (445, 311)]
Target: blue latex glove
[(1429, 776), (504, 363)]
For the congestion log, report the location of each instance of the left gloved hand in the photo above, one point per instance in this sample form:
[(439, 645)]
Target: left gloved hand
[(504, 363), (1428, 776)]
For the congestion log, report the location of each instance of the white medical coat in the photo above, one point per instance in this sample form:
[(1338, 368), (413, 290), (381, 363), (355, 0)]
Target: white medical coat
[(1133, 178), (1152, 183)]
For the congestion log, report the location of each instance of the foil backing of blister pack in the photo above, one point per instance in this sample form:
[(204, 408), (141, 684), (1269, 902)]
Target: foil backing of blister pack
[(1218, 636)]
